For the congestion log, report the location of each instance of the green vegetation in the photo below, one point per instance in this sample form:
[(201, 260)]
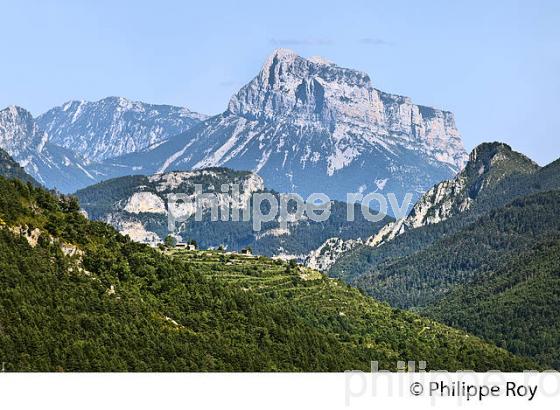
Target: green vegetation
[(11, 169), (497, 278), (456, 271), (77, 296), (170, 241), (515, 306), (491, 241), (507, 175), (492, 269)]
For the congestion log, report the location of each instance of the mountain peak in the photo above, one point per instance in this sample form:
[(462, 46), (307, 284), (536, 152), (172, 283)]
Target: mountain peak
[(284, 54), (488, 149), (16, 111), (320, 60), (318, 95), (306, 89), (498, 158), (489, 164), (18, 131)]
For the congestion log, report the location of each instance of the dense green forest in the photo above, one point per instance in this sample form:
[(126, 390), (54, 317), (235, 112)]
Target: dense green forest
[(492, 278), (423, 277), (516, 306), (77, 296)]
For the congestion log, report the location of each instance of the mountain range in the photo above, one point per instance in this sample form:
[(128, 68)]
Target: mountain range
[(61, 148), (113, 126), (468, 279), (301, 124), (301, 121)]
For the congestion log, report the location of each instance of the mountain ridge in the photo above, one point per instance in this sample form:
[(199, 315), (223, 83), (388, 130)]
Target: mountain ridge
[(139, 206), (496, 277), (470, 192), (114, 126), (49, 164)]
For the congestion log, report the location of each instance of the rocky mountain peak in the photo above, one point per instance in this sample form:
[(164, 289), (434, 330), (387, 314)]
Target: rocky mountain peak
[(488, 149), (320, 60), (18, 131), (17, 116), (305, 124), (28, 144), (488, 165), (291, 84), (317, 94), (280, 54)]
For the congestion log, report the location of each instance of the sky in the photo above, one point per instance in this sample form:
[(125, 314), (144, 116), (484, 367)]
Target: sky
[(494, 64)]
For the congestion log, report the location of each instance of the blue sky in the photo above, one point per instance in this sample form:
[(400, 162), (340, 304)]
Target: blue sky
[(495, 64)]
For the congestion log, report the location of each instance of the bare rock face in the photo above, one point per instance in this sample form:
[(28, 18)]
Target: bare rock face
[(329, 252), (148, 208), (114, 126), (19, 133), (143, 207), (62, 148), (313, 92), (304, 125), (145, 202)]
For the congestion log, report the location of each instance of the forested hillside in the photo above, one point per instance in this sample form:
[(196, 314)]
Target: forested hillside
[(77, 296), (494, 177), (515, 306), (423, 277), (497, 278), (488, 266)]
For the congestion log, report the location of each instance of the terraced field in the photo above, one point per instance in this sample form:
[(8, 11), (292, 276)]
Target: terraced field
[(261, 275)]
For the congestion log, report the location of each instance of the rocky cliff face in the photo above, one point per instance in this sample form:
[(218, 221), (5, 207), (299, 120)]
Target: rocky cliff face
[(304, 125), (19, 133), (328, 253), (343, 102), (51, 165), (138, 206), (114, 126), (307, 125)]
